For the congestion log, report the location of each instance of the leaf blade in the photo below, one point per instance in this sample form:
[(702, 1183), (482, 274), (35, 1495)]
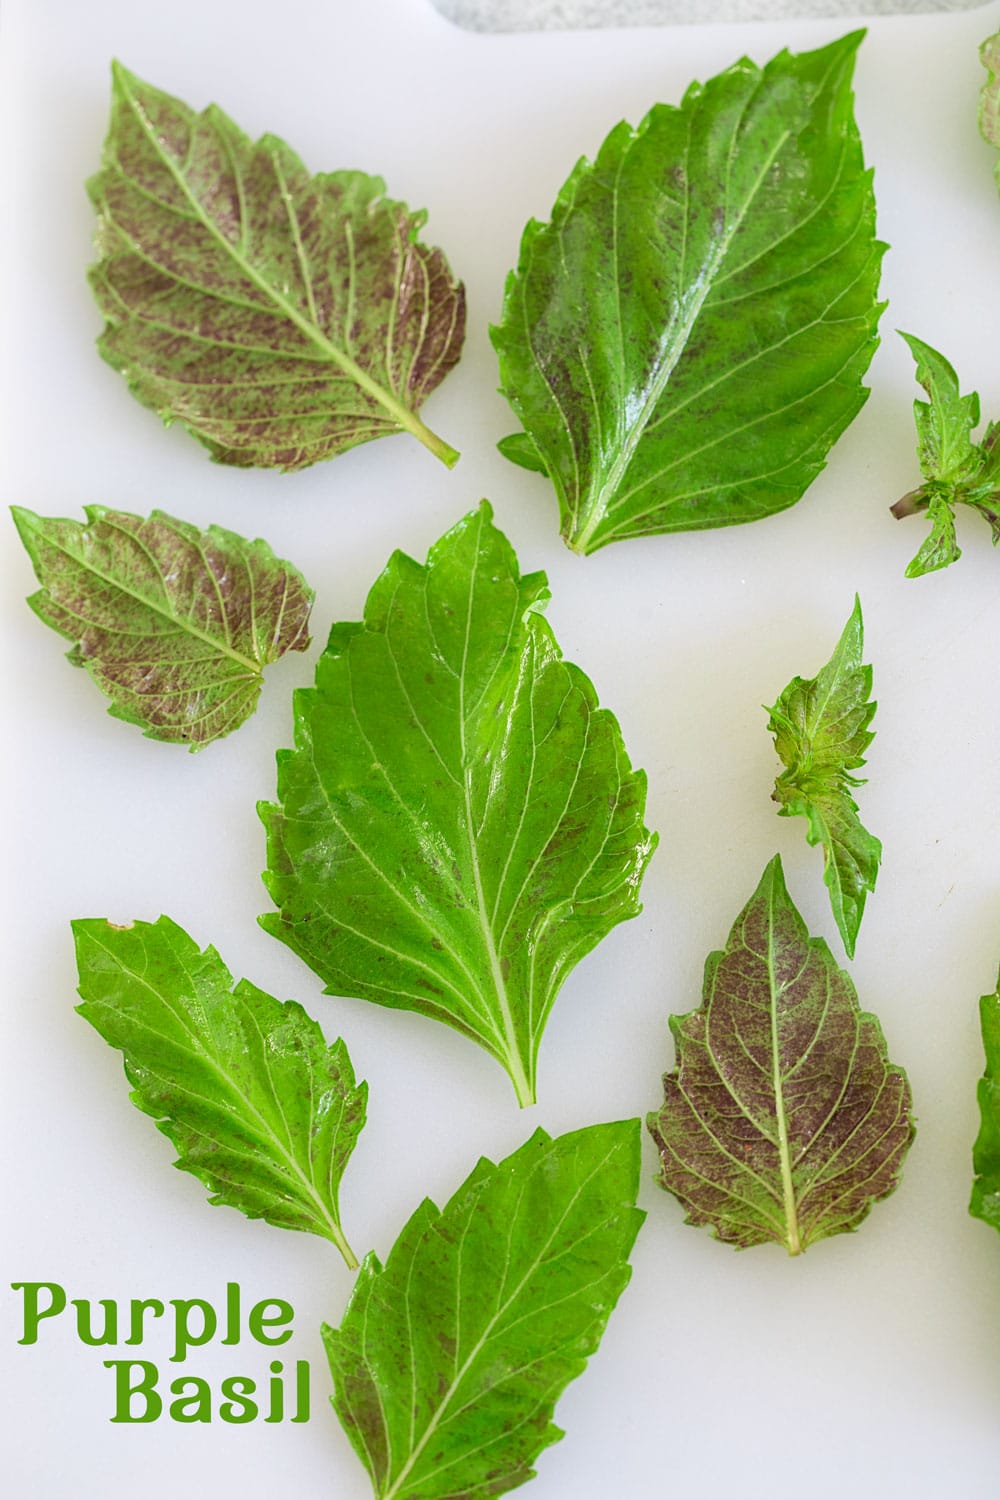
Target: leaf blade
[(259, 1108), (458, 822), (625, 365), (281, 318), (821, 732), (985, 1201), (449, 1358), (784, 1119), (175, 625)]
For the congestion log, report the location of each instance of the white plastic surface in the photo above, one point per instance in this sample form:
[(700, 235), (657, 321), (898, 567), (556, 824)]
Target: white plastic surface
[(871, 1366), (554, 15)]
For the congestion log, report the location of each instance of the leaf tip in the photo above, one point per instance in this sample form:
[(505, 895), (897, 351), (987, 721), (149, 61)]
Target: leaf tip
[(123, 80)]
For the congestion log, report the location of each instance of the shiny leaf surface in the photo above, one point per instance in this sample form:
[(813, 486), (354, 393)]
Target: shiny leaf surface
[(259, 1108), (985, 1202), (458, 823), (176, 625), (956, 470), (281, 318), (686, 338), (450, 1358), (820, 729), (784, 1119)]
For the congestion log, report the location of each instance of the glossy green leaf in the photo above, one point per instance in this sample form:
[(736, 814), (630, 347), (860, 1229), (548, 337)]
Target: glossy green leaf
[(176, 625), (956, 470), (259, 1108), (784, 1119), (985, 1202), (685, 339), (450, 1358), (820, 728), (458, 823), (989, 98), (281, 318)]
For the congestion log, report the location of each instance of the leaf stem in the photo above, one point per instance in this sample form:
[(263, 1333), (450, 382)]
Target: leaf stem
[(350, 1259), (909, 504), (448, 455)]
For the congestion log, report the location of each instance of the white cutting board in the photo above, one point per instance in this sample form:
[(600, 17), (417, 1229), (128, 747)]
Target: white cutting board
[(869, 1367)]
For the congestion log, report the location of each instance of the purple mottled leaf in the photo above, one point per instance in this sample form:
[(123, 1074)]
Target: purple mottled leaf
[(282, 318), (784, 1119), (176, 625)]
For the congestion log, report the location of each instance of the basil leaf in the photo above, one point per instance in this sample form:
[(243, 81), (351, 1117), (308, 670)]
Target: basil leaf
[(957, 471), (176, 625), (985, 1202), (685, 339), (784, 1120), (450, 1358), (458, 823), (281, 318), (261, 1110), (989, 98), (820, 728)]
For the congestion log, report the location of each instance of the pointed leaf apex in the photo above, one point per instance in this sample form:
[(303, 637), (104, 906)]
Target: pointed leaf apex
[(772, 882), (123, 80)]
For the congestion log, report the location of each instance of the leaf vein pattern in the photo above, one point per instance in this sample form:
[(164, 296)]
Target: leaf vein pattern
[(436, 1420), (267, 1129)]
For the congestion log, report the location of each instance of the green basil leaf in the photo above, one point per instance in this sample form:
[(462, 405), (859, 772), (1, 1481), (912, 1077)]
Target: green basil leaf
[(260, 1109), (281, 318), (956, 470), (820, 728), (450, 1358), (176, 625), (989, 98), (458, 823), (784, 1120), (985, 1202), (685, 339)]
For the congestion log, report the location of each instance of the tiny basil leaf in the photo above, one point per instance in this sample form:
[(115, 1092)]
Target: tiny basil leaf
[(260, 1109), (784, 1120), (956, 470), (451, 1356), (820, 728), (282, 318), (176, 625)]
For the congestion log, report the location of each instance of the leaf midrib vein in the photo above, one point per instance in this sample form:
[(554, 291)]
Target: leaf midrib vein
[(784, 1149), (514, 1064)]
